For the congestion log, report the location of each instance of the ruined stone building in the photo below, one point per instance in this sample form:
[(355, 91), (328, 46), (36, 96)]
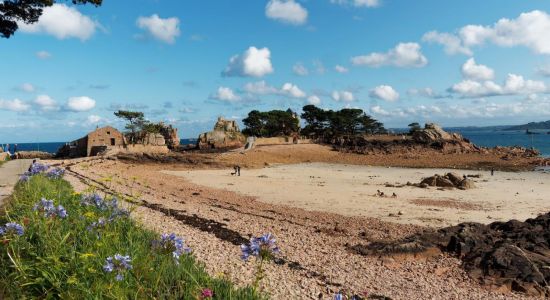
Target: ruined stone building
[(93, 143)]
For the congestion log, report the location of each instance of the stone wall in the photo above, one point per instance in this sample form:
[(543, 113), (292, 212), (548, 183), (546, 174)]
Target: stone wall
[(103, 138), (137, 148), (282, 140)]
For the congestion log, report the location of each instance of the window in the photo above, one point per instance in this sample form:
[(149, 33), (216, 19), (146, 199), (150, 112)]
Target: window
[(113, 142), (108, 132)]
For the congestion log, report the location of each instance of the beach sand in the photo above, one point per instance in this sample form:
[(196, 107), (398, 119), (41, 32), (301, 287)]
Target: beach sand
[(351, 190)]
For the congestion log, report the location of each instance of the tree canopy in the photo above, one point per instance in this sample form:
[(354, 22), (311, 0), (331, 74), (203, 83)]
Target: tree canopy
[(271, 123), (27, 11), (347, 121)]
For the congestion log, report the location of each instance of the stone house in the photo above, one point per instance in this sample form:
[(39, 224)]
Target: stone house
[(93, 143)]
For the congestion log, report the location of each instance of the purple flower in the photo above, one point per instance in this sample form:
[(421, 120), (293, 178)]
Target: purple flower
[(118, 264), (47, 207), (12, 229), (264, 247), (170, 243), (56, 173), (207, 293)]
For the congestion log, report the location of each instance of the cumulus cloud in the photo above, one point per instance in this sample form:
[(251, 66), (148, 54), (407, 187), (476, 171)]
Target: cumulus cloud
[(473, 71), (314, 99), (253, 62), (425, 92), (404, 55), (340, 69), (45, 102), (300, 69), (80, 104), (26, 87), (544, 71), (357, 3), (527, 30), (513, 85), (43, 54), (14, 105), (292, 90), (262, 88), (62, 22), (450, 42), (93, 120), (344, 96), (384, 92), (286, 11), (165, 30), (225, 94)]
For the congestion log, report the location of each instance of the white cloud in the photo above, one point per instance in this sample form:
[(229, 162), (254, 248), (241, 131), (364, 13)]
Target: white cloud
[(340, 69), (27, 87), (93, 120), (300, 69), (62, 22), (451, 43), (262, 88), (226, 94), (259, 88), (378, 110), (384, 92), (292, 90), (14, 105), (43, 54), (286, 11), (358, 3), (528, 30), (404, 55), (79, 104), (514, 85), (473, 71), (425, 92), (345, 96), (313, 99), (544, 71), (253, 62), (45, 102), (165, 30)]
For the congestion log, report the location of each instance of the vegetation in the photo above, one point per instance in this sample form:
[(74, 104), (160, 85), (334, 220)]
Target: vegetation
[(347, 121), (86, 247), (271, 123), (138, 127), (531, 126), (414, 127), (27, 11)]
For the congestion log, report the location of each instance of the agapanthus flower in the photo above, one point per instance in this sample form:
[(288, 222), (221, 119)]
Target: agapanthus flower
[(170, 243), (55, 173), (24, 178), (118, 264), (12, 229), (264, 247), (93, 200), (207, 293), (37, 168), (101, 222), (47, 207)]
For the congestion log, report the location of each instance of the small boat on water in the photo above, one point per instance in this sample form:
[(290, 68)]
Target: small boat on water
[(527, 131)]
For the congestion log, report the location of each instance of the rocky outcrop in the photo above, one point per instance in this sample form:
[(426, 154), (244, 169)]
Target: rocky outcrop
[(511, 255), (226, 135), (34, 155), (449, 180)]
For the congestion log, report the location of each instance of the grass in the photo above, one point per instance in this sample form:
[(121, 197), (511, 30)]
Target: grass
[(61, 258)]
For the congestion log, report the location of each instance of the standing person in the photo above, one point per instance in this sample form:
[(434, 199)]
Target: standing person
[(492, 171), (8, 149)]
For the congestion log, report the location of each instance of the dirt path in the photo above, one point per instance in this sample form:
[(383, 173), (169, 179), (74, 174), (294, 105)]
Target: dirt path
[(316, 259), (9, 174)]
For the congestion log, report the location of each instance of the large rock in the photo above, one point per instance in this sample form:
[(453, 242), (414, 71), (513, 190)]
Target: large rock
[(450, 180), (432, 133), (226, 135)]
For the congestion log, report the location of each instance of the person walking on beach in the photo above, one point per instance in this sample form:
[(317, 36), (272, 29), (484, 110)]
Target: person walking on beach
[(236, 171), (492, 171)]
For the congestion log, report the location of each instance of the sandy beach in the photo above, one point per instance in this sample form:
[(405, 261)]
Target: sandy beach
[(352, 190)]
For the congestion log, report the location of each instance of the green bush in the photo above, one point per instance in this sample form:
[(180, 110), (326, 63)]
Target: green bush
[(64, 258)]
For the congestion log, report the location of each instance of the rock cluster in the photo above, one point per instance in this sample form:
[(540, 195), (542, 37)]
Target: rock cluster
[(226, 135), (449, 180)]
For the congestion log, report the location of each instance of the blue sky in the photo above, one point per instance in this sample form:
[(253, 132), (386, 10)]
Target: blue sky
[(458, 63)]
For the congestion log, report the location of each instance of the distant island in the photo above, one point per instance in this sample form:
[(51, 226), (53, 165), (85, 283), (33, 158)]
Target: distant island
[(531, 126)]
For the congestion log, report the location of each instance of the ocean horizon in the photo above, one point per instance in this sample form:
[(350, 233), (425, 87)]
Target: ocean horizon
[(481, 137)]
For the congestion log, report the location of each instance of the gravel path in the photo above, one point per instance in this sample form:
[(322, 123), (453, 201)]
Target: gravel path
[(9, 174), (316, 262)]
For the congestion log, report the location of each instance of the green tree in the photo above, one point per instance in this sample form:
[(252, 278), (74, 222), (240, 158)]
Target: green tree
[(414, 127), (136, 122), (27, 11), (271, 123)]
